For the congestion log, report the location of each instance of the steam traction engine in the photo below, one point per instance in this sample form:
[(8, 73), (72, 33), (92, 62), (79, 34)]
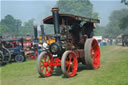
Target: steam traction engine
[(11, 50), (73, 44)]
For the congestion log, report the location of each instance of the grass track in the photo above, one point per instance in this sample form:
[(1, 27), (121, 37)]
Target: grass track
[(113, 71)]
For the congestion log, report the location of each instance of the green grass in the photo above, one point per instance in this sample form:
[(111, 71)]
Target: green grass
[(113, 71)]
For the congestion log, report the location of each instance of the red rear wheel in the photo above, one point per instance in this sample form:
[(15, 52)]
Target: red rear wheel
[(69, 64), (44, 62), (92, 53)]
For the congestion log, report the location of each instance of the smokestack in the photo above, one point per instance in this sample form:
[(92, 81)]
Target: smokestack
[(22, 42), (35, 32), (42, 31), (55, 12)]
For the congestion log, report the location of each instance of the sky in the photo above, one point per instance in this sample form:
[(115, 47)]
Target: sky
[(39, 9)]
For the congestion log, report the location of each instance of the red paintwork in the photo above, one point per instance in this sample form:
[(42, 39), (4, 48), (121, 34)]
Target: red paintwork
[(71, 61), (95, 54), (28, 50), (13, 44), (27, 47), (56, 62), (45, 64), (27, 44), (71, 64), (32, 57), (35, 52)]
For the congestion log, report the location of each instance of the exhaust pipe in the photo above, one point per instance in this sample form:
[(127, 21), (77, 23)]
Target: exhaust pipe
[(42, 32), (55, 13), (22, 42), (35, 32)]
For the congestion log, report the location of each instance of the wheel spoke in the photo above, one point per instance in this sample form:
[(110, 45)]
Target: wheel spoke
[(67, 63), (68, 68), (70, 58), (42, 69), (46, 70), (66, 58), (42, 66), (96, 54), (48, 60), (42, 62), (96, 59), (44, 59)]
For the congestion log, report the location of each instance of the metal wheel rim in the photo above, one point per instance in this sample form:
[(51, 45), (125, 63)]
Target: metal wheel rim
[(45, 64), (71, 64), (19, 58)]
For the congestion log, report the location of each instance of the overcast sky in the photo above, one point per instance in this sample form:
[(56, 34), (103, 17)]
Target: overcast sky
[(39, 9)]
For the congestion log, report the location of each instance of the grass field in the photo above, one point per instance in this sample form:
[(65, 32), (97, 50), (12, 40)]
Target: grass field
[(113, 71)]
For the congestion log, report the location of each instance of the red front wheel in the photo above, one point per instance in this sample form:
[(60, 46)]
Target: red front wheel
[(69, 64), (44, 62)]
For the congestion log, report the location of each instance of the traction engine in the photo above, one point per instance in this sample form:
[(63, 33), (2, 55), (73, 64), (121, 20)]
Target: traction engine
[(73, 44)]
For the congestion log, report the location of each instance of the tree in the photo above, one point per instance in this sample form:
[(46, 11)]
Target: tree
[(112, 28), (99, 31), (125, 2), (10, 24), (27, 29), (77, 7), (18, 25), (123, 22), (3, 29)]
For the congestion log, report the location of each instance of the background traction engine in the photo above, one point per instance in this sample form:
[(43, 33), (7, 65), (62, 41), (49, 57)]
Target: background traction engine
[(29, 48), (67, 51)]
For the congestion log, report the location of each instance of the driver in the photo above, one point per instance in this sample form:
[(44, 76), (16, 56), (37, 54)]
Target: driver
[(87, 29)]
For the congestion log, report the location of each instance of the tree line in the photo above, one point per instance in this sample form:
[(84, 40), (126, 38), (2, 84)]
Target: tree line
[(118, 23), (11, 26)]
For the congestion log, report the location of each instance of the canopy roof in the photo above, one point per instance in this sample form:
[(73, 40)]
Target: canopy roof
[(70, 19)]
